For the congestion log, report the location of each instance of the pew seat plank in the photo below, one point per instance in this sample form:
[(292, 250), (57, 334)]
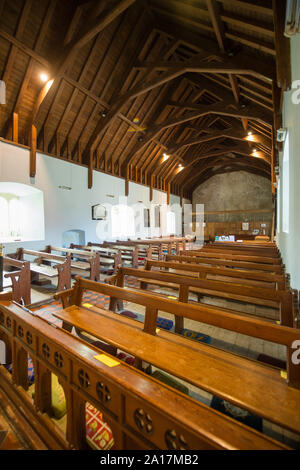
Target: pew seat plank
[(47, 271), (245, 383)]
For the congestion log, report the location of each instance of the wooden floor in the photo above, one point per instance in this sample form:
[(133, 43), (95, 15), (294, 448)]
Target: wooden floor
[(12, 437)]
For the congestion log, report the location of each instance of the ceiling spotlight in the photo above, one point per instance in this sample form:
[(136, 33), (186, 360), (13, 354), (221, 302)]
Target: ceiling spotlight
[(140, 138), (249, 132), (103, 114), (165, 157), (44, 77)]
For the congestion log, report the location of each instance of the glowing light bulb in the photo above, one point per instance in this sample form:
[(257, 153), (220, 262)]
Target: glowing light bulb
[(44, 77)]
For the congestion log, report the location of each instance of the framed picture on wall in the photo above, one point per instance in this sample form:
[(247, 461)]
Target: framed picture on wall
[(98, 212), (146, 217), (245, 226)]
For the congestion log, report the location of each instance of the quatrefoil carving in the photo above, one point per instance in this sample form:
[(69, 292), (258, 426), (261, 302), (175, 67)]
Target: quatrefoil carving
[(83, 378), (58, 359), (20, 331), (46, 351), (175, 442), (103, 392), (29, 337), (143, 421)]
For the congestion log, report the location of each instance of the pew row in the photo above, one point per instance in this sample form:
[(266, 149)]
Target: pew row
[(215, 371), (232, 257), (272, 252), (42, 265), (245, 265), (241, 276), (281, 300), (141, 412)]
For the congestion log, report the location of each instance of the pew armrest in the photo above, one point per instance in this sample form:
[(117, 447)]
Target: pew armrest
[(64, 296), (111, 280)]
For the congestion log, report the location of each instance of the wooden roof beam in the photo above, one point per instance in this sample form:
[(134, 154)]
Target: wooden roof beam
[(282, 46), (86, 34), (220, 108)]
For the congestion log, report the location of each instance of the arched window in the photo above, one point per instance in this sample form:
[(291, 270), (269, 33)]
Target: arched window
[(21, 213), (14, 211), (171, 228), (286, 186), (4, 218), (122, 221)]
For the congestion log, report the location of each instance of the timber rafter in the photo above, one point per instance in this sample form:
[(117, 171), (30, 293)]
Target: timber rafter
[(131, 81)]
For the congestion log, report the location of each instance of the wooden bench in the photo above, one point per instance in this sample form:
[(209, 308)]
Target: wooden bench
[(143, 249), (81, 260), (242, 276), (61, 270), (231, 257), (245, 265), (141, 412), (18, 279), (246, 252), (243, 382), (109, 259), (281, 300)]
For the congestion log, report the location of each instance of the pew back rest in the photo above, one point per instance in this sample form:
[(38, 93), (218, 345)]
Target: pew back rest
[(282, 299)]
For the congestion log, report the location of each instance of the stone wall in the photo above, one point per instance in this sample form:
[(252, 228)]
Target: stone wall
[(237, 191)]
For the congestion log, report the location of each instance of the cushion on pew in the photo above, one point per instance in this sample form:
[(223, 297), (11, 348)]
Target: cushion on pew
[(195, 335), (126, 358), (128, 313), (237, 413), (58, 398), (30, 371), (98, 434)]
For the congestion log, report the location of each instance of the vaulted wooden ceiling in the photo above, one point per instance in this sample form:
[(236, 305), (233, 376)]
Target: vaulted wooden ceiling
[(132, 80)]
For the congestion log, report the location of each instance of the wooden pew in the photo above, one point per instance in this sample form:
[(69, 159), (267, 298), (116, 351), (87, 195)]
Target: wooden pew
[(85, 261), (18, 279), (281, 300), (62, 268), (232, 257), (109, 259), (242, 276), (201, 365), (113, 255), (144, 249), (247, 252), (141, 412), (245, 265)]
